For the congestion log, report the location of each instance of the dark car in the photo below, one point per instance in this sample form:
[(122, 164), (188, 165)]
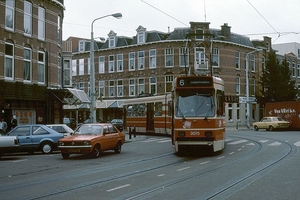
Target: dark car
[(118, 123), (36, 137)]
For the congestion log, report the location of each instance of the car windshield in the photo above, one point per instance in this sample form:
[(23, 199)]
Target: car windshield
[(278, 119), (89, 129)]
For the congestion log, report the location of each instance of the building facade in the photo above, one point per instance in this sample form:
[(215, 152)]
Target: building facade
[(147, 63), (30, 59)]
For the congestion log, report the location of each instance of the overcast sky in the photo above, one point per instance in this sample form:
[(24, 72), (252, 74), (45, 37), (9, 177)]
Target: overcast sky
[(252, 18)]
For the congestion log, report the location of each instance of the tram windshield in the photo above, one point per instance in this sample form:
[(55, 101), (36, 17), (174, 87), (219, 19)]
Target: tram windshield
[(194, 104)]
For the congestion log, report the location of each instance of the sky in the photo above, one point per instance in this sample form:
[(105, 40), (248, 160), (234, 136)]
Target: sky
[(278, 19)]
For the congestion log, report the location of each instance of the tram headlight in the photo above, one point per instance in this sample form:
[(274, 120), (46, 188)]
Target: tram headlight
[(208, 134), (181, 133)]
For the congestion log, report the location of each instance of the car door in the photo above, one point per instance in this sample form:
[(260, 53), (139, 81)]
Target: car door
[(114, 135), (263, 123), (38, 134), (23, 133)]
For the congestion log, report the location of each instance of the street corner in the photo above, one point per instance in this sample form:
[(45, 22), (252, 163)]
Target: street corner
[(134, 138)]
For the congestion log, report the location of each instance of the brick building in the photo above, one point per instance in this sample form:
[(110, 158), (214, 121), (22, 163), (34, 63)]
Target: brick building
[(147, 63), (30, 59)]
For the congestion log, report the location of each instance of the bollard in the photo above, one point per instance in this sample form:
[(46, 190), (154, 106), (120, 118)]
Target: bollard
[(237, 125), (129, 132), (134, 132)]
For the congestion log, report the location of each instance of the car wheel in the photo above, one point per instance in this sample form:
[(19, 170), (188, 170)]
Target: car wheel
[(96, 151), (271, 128), (46, 147), (65, 155), (118, 148), (255, 128)]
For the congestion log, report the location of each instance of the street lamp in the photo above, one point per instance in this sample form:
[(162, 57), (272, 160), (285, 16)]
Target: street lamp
[(92, 78), (247, 86)]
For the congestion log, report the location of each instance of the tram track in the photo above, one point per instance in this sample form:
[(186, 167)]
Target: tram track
[(226, 190)]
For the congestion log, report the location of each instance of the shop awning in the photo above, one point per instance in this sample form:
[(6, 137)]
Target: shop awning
[(71, 96), (117, 104)]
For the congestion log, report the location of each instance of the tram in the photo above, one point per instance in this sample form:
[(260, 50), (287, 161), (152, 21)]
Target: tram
[(192, 115)]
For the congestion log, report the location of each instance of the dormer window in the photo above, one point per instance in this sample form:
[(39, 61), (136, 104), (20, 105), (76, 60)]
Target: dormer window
[(199, 34), (112, 39), (141, 38), (81, 46)]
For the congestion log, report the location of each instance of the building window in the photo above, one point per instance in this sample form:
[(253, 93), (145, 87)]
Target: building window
[(81, 86), (120, 62), (298, 53), (81, 66), (298, 70), (294, 69), (253, 85), (263, 63), (67, 73), (120, 88), (131, 61), (237, 60), (141, 86), (27, 18), (111, 63), (89, 65), (183, 57), (9, 15), (168, 82), (252, 58), (112, 41), (81, 46), (141, 60), (169, 57), (199, 34), (59, 32), (132, 87), (152, 86), (111, 88), (59, 70), (27, 64), (200, 62), (74, 67), (101, 64), (237, 85), (41, 23), (215, 58), (9, 61), (152, 58), (141, 37), (41, 67), (101, 89)]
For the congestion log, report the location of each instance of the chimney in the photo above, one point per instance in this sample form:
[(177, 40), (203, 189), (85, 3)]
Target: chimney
[(225, 30)]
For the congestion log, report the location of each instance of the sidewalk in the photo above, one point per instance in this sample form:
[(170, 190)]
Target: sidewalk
[(132, 139)]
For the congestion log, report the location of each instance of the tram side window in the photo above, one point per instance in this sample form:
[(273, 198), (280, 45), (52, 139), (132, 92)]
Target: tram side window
[(136, 110), (169, 108), (158, 109)]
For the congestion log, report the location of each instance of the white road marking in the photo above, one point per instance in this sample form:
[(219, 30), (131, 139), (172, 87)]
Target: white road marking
[(15, 161), (297, 144), (164, 141), (160, 175), (183, 169), (231, 153), (274, 144), (251, 144), (117, 188), (221, 157), (263, 141), (204, 162), (238, 142)]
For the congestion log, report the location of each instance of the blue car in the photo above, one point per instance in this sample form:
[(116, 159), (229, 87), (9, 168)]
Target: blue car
[(36, 137)]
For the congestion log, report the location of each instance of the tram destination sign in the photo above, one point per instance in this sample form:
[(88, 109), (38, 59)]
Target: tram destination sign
[(194, 81)]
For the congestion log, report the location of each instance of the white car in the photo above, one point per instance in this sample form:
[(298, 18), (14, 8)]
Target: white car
[(61, 128)]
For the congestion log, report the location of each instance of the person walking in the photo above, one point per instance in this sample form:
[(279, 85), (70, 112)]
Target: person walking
[(3, 126), (13, 122)]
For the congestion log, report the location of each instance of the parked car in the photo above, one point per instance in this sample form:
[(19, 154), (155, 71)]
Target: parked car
[(61, 128), (9, 144), (92, 139), (36, 137), (70, 122), (118, 123), (271, 123)]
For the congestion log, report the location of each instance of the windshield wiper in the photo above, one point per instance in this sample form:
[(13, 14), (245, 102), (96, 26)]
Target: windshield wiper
[(180, 112)]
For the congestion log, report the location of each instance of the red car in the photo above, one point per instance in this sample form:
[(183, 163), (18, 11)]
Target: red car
[(92, 139)]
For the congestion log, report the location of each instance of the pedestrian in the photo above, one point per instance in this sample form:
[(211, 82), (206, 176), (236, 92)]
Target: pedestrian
[(13, 122), (3, 126)]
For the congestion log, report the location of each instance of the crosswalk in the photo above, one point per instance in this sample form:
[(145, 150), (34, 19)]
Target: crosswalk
[(270, 143)]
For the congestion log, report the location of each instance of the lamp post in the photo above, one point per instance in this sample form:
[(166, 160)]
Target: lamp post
[(92, 70), (247, 86)]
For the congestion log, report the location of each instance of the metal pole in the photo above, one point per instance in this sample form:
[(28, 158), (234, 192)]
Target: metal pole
[(92, 69)]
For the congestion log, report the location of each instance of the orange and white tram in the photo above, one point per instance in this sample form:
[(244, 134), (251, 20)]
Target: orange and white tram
[(192, 114), (198, 119)]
